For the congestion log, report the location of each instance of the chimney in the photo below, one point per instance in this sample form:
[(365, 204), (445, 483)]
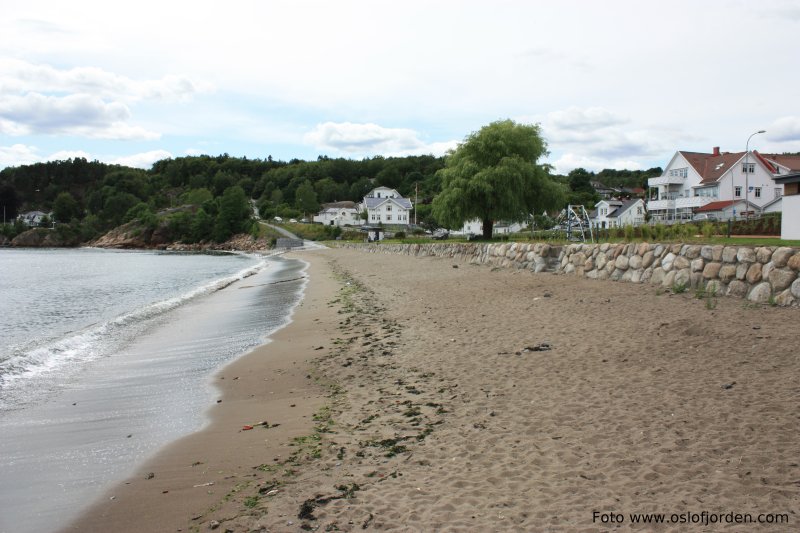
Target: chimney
[(716, 151)]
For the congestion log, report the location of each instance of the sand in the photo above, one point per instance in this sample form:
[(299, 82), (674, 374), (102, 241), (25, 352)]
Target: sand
[(454, 397)]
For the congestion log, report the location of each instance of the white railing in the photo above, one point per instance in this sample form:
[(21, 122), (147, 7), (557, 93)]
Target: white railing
[(693, 201), (666, 180)]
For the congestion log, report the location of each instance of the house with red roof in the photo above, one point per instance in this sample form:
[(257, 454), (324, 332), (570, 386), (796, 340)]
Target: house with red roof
[(693, 180)]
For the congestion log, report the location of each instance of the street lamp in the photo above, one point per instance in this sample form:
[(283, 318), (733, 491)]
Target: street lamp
[(747, 171)]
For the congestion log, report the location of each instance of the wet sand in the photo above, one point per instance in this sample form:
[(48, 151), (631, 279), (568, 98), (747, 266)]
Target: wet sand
[(454, 397), (184, 481)]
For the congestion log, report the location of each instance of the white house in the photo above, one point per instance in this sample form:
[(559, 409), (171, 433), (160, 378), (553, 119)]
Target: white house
[(603, 191), (340, 214), (32, 218), (790, 220), (475, 227), (618, 213), (692, 180), (387, 206)]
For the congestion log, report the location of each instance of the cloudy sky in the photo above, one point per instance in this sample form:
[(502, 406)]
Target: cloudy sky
[(614, 84)]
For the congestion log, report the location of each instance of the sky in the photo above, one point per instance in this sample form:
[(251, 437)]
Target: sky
[(613, 84)]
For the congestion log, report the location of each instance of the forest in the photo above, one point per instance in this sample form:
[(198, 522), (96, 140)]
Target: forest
[(205, 198)]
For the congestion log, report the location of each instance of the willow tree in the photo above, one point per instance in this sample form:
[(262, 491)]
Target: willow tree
[(494, 175)]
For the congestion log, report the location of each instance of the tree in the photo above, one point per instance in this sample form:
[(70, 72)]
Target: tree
[(65, 207), (328, 190), (493, 175), (581, 190), (202, 226), (116, 206), (305, 198), (389, 177), (234, 213), (9, 202)]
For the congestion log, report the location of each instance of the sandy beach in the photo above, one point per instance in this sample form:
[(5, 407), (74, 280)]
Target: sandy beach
[(423, 394)]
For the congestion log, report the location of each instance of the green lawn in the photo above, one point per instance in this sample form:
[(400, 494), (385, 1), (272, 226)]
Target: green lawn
[(719, 239)]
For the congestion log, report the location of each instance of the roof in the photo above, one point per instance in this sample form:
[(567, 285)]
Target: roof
[(717, 206), (723, 204), (624, 207), (773, 201), (794, 177), (372, 203), (609, 201), (340, 205), (711, 167), (791, 162)]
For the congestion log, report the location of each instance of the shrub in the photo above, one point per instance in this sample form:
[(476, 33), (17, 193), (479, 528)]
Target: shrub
[(660, 231), (628, 232), (646, 231), (400, 235), (707, 230)]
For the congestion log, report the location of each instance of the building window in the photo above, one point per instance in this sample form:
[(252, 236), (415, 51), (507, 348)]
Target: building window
[(639, 210), (388, 217), (679, 172), (738, 191), (388, 207), (748, 168), (778, 192), (758, 192)]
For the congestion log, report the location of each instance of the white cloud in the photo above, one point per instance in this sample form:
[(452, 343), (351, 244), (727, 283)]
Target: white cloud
[(366, 139), (784, 129), (17, 154), (77, 114), (142, 160), (21, 77), (63, 155), (596, 138), (570, 161), (20, 154), (582, 118)]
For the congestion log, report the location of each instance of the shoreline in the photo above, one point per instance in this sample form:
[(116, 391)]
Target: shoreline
[(469, 398), (188, 477)]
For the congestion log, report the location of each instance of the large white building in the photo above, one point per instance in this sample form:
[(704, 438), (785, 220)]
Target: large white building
[(387, 206), (692, 180), (382, 204)]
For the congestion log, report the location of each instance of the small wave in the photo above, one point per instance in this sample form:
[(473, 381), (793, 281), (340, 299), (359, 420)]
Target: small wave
[(92, 342)]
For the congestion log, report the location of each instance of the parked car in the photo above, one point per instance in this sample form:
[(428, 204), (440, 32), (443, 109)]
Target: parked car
[(704, 217), (278, 219), (293, 221), (441, 234)]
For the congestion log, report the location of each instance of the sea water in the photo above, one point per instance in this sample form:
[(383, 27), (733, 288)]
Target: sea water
[(105, 356)]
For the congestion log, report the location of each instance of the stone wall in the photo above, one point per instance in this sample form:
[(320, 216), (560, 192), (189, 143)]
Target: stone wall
[(765, 274)]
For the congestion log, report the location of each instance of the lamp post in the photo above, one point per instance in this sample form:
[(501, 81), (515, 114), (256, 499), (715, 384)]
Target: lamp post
[(747, 171)]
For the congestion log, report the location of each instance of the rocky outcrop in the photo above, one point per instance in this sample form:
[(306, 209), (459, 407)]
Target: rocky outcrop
[(43, 238), (239, 243), (765, 274), (134, 235), (130, 235)]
